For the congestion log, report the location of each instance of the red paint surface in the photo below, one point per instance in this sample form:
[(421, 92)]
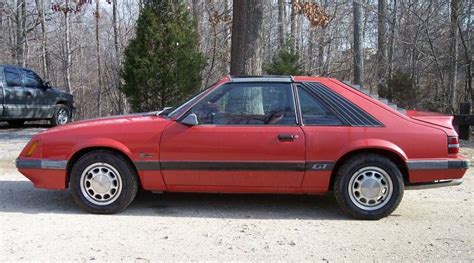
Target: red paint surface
[(48, 179), (168, 140)]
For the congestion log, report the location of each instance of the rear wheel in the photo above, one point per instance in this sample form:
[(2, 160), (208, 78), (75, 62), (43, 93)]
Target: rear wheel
[(368, 186), (62, 115), (16, 123), (103, 182)]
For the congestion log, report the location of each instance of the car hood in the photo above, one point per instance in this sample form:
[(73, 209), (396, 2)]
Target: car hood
[(112, 122)]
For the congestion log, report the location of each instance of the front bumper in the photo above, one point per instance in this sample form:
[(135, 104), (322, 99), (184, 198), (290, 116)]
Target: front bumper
[(48, 174)]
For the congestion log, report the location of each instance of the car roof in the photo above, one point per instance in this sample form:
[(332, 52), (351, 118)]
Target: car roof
[(14, 66), (264, 78)]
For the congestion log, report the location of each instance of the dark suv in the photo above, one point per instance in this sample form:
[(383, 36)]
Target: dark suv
[(24, 96)]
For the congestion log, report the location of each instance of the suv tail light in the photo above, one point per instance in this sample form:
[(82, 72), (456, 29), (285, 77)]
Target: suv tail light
[(453, 144)]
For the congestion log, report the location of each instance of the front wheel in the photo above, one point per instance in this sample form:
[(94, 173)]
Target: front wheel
[(103, 182), (368, 186)]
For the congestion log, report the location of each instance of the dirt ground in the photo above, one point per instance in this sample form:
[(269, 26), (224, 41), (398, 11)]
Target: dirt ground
[(35, 224)]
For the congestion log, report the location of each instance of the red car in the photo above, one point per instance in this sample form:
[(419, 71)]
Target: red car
[(299, 135)]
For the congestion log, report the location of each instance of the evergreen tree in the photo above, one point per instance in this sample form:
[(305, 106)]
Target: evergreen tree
[(285, 62), (163, 63)]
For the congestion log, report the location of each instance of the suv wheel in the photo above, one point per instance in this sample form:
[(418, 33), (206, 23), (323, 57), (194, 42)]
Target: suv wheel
[(368, 186), (62, 115)]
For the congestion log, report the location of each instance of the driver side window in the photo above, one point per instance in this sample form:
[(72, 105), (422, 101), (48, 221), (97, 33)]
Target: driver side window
[(248, 104), (31, 80)]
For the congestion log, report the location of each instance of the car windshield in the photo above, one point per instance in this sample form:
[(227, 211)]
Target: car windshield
[(181, 108)]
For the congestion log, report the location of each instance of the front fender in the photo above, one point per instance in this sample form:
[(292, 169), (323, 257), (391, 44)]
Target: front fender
[(102, 143)]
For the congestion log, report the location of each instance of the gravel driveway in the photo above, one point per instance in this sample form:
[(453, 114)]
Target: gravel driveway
[(35, 224)]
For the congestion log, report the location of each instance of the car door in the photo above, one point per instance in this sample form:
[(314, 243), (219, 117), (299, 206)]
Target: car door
[(15, 96), (40, 102), (247, 137)]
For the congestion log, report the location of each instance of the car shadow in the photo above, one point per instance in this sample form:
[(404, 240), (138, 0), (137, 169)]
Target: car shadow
[(22, 197)]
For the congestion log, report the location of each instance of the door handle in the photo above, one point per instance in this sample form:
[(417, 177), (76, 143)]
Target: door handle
[(287, 137)]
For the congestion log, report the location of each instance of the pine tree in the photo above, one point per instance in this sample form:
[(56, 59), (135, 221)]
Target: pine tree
[(163, 64), (285, 62)]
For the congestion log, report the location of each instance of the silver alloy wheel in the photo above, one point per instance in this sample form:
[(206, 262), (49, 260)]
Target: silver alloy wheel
[(101, 184), (370, 188), (63, 116)]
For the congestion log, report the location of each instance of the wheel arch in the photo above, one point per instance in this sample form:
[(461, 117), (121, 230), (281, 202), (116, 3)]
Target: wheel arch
[(64, 102), (395, 156), (80, 152)]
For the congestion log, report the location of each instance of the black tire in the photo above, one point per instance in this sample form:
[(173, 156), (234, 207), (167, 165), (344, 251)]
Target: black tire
[(16, 123), (61, 112), (119, 168), (357, 172)]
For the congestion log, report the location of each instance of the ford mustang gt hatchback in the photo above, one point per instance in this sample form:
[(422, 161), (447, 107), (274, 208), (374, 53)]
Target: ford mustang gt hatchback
[(299, 135)]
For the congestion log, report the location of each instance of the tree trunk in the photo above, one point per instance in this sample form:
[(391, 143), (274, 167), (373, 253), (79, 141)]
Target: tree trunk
[(381, 40), (44, 40), (67, 64), (97, 48), (466, 43), (391, 40), (453, 51), (247, 41), (116, 32), (120, 101), (20, 30), (198, 11), (281, 21), (293, 25), (358, 44)]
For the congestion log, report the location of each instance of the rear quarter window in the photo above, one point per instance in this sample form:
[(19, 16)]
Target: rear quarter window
[(314, 112)]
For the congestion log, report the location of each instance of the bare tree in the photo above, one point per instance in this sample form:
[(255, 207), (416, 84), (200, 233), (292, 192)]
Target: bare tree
[(381, 40), (282, 21), (391, 40), (99, 66), (358, 47), (453, 50), (67, 37), (44, 41)]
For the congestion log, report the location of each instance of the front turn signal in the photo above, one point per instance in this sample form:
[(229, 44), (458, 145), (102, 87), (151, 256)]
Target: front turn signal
[(32, 149)]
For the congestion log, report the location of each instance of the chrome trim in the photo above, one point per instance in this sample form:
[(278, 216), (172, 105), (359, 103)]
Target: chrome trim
[(453, 145), (436, 184), (41, 164)]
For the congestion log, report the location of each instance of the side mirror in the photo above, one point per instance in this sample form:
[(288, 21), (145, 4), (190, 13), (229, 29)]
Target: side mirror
[(47, 85), (190, 120)]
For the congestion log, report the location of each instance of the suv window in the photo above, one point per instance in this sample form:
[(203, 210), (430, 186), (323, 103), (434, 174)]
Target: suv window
[(248, 104), (12, 77), (314, 112), (30, 79)]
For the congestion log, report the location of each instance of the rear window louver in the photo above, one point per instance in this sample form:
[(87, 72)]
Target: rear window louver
[(349, 112), (376, 96)]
